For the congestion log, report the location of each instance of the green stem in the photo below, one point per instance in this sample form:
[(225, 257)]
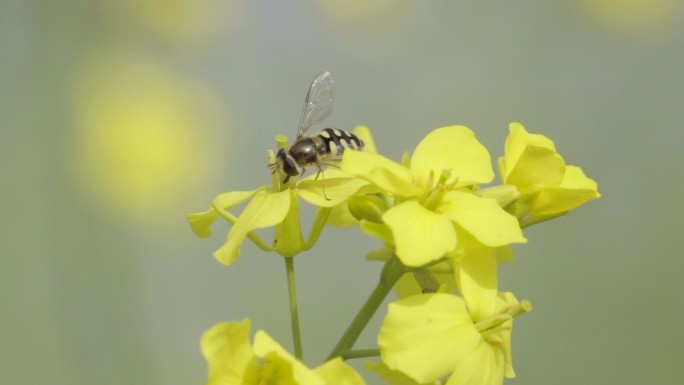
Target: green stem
[(294, 312), (360, 353), (391, 272)]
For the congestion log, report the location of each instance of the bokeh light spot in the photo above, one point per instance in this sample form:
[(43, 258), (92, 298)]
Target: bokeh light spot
[(142, 134)]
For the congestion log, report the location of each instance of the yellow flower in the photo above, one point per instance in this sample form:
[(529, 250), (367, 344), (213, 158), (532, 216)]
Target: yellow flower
[(433, 195), (277, 206), (428, 336), (234, 361), (266, 208), (548, 187)]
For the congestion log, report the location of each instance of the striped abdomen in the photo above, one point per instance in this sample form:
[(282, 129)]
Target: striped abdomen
[(336, 141)]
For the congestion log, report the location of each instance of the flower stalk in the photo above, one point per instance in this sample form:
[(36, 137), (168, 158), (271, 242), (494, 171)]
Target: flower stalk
[(294, 310), (391, 272)]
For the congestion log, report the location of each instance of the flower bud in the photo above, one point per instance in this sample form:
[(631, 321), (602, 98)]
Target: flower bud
[(368, 207), (504, 194)]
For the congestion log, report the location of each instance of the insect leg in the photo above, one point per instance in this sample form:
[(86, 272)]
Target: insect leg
[(321, 172)]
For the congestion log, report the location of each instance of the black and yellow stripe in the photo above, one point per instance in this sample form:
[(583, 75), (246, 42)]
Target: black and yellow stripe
[(336, 141)]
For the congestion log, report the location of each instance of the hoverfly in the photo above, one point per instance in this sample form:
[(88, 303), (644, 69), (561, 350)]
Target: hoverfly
[(315, 150)]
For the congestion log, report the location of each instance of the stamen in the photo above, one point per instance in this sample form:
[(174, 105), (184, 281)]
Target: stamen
[(435, 192), (502, 328), (498, 322), (492, 323), (446, 174)]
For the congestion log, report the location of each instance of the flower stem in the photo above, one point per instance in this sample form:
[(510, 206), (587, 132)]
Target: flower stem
[(360, 353), (391, 272), (294, 312)]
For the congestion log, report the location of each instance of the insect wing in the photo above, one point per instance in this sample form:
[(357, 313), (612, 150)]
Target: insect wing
[(319, 102)]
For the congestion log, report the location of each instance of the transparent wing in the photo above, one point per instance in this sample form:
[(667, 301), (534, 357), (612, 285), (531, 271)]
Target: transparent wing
[(319, 102)]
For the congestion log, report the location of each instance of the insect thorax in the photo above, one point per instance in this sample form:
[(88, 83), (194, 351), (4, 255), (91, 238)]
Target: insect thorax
[(307, 150)]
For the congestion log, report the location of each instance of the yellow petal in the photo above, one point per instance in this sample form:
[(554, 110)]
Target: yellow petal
[(390, 376), (279, 366), (265, 209), (364, 134), (574, 190), (556, 201), (341, 217), (337, 372), (537, 168), (506, 300), (483, 218), (337, 190), (484, 366), (453, 148), (386, 174), (574, 178), (233, 198), (503, 171), (427, 336), (227, 349), (517, 141), (420, 235), (504, 254), (200, 223), (476, 273)]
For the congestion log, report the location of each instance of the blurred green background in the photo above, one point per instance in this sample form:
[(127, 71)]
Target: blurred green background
[(118, 118)]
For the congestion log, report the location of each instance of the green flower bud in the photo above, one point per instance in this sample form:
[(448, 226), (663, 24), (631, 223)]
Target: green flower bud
[(520, 207), (368, 207), (504, 194)]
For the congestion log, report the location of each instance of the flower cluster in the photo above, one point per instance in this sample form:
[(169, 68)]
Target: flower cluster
[(444, 234)]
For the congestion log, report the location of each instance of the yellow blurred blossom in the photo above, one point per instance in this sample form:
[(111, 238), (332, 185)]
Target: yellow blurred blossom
[(642, 16), (143, 134), (176, 22)]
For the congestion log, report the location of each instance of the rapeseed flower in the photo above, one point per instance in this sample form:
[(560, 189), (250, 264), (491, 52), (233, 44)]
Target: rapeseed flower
[(432, 195), (278, 205), (234, 361), (548, 187), (429, 336)]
